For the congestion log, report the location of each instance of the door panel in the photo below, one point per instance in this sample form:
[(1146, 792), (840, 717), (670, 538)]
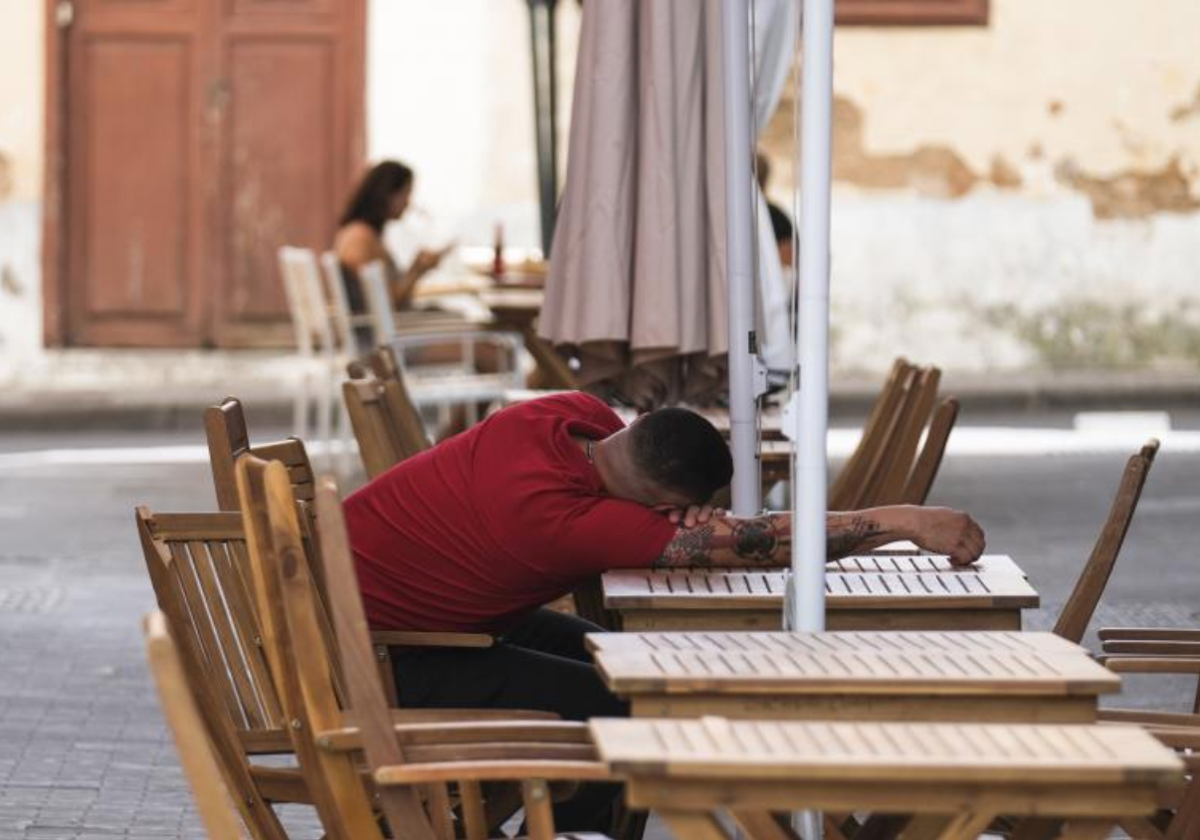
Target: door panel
[(279, 148), (136, 241), (133, 216), (198, 137)]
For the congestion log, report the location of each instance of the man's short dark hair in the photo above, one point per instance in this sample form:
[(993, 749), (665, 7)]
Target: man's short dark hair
[(681, 451)]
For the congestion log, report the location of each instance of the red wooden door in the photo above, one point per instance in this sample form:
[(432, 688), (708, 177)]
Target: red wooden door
[(199, 136)]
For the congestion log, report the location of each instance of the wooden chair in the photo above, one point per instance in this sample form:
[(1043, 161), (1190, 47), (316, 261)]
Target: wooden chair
[(199, 569), (406, 418), (380, 444), (229, 439), (197, 753), (1081, 605), (405, 762)]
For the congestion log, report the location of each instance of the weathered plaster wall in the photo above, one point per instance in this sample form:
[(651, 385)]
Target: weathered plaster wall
[(450, 91), (1022, 194), (21, 162)]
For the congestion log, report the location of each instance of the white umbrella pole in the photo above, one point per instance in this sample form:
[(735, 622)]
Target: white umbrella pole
[(743, 405), (808, 524)]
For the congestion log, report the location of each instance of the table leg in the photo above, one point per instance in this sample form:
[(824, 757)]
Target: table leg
[(694, 825), (1097, 829), (762, 825), (942, 827)]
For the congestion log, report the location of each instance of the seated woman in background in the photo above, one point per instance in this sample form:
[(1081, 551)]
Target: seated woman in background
[(381, 196)]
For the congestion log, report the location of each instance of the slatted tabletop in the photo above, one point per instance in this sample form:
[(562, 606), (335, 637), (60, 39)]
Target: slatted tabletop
[(956, 778), (846, 642), (989, 564), (793, 672), (1028, 754), (698, 590)]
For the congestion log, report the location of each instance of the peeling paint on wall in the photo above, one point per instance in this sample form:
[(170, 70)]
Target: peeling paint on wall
[(6, 176), (935, 171), (1189, 110), (1132, 194)]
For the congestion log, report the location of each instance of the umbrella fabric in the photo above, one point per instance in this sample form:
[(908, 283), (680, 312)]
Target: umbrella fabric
[(637, 287)]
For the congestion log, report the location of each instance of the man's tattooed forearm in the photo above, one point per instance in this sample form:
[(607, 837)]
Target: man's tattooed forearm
[(846, 538), (729, 542), (690, 547)]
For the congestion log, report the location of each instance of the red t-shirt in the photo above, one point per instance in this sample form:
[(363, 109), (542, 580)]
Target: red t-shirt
[(496, 521)]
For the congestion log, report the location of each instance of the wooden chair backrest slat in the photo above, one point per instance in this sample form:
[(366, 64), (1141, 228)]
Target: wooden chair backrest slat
[(1081, 604), (406, 423), (197, 753), (377, 443), (297, 650), (164, 543), (902, 448), (367, 697), (843, 491), (890, 423), (925, 470), (228, 439)]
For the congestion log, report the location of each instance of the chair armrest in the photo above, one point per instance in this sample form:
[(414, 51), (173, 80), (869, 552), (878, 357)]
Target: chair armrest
[(416, 638), (1150, 634), (1147, 717), (492, 771), (1143, 647), (460, 732), (1151, 664)]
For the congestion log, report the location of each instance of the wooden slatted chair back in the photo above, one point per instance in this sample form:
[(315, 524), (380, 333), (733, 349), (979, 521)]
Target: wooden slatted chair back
[(890, 422), (408, 426), (887, 486), (1081, 604), (199, 566), (378, 444), (195, 560), (925, 470), (197, 753), (299, 655), (228, 439), (843, 492)]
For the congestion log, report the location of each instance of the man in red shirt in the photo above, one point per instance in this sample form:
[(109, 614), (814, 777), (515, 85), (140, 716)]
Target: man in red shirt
[(479, 532)]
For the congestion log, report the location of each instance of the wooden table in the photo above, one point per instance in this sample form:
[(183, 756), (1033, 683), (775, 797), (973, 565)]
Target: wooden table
[(956, 778), (987, 596), (979, 676)]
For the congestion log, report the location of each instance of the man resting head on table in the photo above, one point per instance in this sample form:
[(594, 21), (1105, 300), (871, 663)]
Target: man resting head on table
[(479, 532)]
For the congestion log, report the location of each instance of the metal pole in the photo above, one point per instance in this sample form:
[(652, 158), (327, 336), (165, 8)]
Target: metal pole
[(545, 104), (739, 258), (808, 526)]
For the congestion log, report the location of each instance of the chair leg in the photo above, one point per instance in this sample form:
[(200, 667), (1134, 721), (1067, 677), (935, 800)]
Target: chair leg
[(300, 408), (324, 410)]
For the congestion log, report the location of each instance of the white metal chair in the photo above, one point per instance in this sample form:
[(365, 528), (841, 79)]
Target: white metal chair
[(323, 356), (442, 385)]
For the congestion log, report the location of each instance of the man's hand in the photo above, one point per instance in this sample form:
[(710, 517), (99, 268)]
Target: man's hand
[(691, 516), (946, 531)]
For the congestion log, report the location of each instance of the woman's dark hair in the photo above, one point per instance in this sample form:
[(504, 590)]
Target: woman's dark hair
[(681, 451), (371, 201)]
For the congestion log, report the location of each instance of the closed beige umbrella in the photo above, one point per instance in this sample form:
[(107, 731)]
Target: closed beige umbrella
[(636, 286)]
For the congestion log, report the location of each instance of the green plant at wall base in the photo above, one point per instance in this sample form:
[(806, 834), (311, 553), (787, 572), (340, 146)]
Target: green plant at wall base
[(1081, 333)]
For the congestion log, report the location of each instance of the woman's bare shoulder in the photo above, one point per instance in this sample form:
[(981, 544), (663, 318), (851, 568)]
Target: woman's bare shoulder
[(357, 243)]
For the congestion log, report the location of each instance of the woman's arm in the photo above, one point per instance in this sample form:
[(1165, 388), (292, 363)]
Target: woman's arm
[(766, 540)]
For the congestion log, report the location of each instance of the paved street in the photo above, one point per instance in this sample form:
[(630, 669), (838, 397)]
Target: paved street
[(83, 752)]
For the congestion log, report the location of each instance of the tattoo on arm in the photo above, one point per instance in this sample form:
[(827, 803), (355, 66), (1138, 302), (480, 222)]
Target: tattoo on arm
[(689, 547), (729, 541), (846, 537)]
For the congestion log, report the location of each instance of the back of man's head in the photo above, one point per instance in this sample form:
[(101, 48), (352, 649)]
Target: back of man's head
[(681, 451)]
